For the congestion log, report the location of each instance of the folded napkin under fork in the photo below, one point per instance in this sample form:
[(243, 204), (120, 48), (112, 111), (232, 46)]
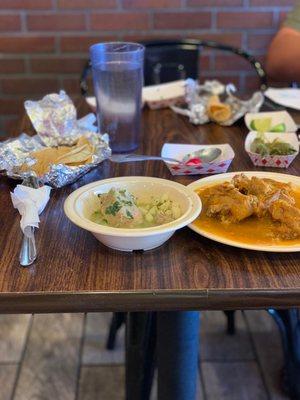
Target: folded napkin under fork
[(30, 200)]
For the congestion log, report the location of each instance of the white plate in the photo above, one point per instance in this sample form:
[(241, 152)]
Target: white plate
[(287, 97), (227, 177)]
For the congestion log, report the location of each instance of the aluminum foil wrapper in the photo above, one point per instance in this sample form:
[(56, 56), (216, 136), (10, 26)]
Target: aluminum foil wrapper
[(55, 120), (197, 96)]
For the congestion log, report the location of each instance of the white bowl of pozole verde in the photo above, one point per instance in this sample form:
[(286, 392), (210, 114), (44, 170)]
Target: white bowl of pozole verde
[(134, 212)]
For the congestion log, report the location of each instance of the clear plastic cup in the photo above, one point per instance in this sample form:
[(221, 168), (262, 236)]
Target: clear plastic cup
[(118, 81)]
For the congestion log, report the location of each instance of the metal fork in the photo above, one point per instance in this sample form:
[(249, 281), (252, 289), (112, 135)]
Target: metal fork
[(28, 251)]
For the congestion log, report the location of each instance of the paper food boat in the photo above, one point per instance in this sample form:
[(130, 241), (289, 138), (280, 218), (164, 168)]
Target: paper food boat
[(164, 95), (156, 96), (277, 117), (178, 151), (272, 161)]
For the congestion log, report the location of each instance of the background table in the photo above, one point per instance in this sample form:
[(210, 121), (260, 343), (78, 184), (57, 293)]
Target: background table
[(75, 273)]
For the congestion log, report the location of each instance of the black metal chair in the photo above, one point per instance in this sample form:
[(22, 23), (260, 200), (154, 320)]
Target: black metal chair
[(169, 60)]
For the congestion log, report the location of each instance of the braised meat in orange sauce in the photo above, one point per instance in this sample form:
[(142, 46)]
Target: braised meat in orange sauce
[(270, 210)]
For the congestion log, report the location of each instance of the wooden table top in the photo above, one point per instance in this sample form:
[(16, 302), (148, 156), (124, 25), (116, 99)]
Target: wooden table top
[(74, 272)]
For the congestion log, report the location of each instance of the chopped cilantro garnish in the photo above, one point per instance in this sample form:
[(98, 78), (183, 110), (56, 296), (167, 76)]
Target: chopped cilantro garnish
[(129, 215), (113, 209)]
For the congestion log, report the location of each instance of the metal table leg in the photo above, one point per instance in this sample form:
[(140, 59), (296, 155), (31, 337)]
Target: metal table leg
[(140, 354), (177, 354), (289, 324)]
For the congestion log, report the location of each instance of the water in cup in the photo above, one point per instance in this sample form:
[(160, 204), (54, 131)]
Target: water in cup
[(118, 88), (118, 80)]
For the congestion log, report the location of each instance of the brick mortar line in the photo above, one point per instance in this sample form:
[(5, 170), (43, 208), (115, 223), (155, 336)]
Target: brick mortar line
[(217, 30), (116, 10), (232, 9), (119, 5), (276, 17), (213, 19), (189, 34), (189, 10), (54, 5), (23, 21), (244, 39), (72, 12)]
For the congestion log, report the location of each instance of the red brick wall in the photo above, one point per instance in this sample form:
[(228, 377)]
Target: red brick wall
[(44, 43)]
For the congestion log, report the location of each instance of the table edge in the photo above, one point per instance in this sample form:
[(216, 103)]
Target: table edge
[(148, 300)]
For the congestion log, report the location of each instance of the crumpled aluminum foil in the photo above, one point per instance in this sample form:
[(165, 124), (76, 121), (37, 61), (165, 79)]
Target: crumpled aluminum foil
[(197, 96), (55, 120)]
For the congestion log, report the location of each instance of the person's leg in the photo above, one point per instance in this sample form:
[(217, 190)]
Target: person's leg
[(289, 324), (177, 354)]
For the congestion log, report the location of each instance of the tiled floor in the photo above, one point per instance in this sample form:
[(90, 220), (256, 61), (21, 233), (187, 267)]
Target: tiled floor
[(62, 357)]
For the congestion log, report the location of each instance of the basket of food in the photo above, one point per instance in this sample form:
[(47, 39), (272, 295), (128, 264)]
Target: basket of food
[(272, 149), (193, 158), (63, 149), (271, 121), (272, 141)]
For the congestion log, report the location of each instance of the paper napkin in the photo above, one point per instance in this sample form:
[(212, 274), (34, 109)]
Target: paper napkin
[(30, 203)]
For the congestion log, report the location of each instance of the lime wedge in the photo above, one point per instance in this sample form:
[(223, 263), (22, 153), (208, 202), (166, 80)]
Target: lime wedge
[(278, 128), (261, 124)]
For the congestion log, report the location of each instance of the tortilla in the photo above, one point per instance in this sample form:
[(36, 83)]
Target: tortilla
[(217, 111), (76, 155)]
